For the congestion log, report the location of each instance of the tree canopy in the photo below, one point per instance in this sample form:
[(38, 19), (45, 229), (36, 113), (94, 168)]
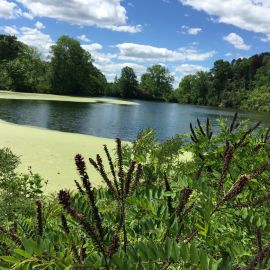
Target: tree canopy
[(242, 83), (73, 72), (156, 83), (128, 83)]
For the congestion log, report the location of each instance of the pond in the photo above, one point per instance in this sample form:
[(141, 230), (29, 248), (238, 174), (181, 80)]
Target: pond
[(111, 120)]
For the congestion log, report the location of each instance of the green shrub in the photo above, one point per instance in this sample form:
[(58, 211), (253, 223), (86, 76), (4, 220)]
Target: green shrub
[(17, 191), (210, 212)]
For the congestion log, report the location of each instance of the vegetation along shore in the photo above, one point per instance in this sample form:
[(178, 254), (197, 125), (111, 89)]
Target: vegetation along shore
[(242, 83)]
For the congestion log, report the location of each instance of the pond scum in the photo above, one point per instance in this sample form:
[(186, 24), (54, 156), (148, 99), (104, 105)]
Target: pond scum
[(157, 212)]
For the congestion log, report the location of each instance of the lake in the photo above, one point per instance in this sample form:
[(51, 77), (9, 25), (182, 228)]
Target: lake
[(111, 120)]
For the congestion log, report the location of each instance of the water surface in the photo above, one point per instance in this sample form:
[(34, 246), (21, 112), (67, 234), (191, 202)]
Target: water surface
[(111, 120)]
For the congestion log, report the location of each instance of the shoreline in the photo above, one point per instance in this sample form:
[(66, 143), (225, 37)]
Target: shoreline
[(51, 97), (51, 153)]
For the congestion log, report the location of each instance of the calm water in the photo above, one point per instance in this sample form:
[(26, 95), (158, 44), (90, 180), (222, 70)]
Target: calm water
[(111, 121)]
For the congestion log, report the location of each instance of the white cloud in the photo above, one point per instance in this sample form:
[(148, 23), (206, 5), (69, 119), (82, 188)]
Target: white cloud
[(108, 14), (10, 30), (251, 15), (106, 62), (92, 47), (237, 41), (35, 38), (186, 69), (83, 38), (125, 28), (266, 38), (114, 69), (191, 30), (141, 53), (32, 37), (8, 10), (99, 57), (39, 25)]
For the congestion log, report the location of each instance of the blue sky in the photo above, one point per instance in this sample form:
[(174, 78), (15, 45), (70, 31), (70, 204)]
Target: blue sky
[(184, 35)]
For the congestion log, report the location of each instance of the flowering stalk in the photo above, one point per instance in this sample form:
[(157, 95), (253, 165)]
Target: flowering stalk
[(89, 191), (64, 199), (39, 218), (111, 167), (120, 166), (186, 192), (169, 198), (105, 176), (129, 177), (79, 187), (11, 235)]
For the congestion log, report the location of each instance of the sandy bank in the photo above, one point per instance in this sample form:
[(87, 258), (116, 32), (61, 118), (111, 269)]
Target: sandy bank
[(33, 96), (51, 153)]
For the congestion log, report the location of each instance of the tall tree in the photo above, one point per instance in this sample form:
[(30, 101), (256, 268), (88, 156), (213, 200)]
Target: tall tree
[(22, 68), (128, 83), (10, 47), (71, 66), (156, 83)]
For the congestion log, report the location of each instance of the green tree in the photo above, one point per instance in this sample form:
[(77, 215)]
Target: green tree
[(10, 47), (27, 72), (72, 68), (128, 83), (156, 83), (185, 92)]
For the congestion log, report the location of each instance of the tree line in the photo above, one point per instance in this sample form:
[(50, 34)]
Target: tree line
[(242, 83), (71, 71)]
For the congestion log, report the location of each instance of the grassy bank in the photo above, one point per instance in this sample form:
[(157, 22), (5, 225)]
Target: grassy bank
[(34, 96), (51, 153)]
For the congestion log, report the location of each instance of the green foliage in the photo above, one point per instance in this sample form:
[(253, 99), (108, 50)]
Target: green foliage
[(236, 85), (10, 47), (156, 83), (243, 83), (17, 192), (259, 100), (127, 84), (24, 72), (72, 70), (208, 212)]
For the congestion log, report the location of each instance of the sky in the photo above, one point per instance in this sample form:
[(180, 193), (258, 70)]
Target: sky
[(184, 35)]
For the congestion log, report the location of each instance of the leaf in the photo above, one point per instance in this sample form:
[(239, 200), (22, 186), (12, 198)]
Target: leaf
[(10, 259), (22, 253), (204, 260), (168, 248), (184, 253), (194, 258), (30, 246), (152, 251), (175, 251)]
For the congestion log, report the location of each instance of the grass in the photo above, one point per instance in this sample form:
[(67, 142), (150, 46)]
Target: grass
[(34, 96)]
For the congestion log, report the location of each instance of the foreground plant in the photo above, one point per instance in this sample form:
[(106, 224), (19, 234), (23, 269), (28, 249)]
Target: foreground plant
[(210, 212)]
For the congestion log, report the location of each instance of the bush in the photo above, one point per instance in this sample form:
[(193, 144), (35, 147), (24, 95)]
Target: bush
[(16, 191), (210, 212)]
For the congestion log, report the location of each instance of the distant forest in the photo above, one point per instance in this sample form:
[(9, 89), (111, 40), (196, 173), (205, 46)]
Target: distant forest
[(242, 83)]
